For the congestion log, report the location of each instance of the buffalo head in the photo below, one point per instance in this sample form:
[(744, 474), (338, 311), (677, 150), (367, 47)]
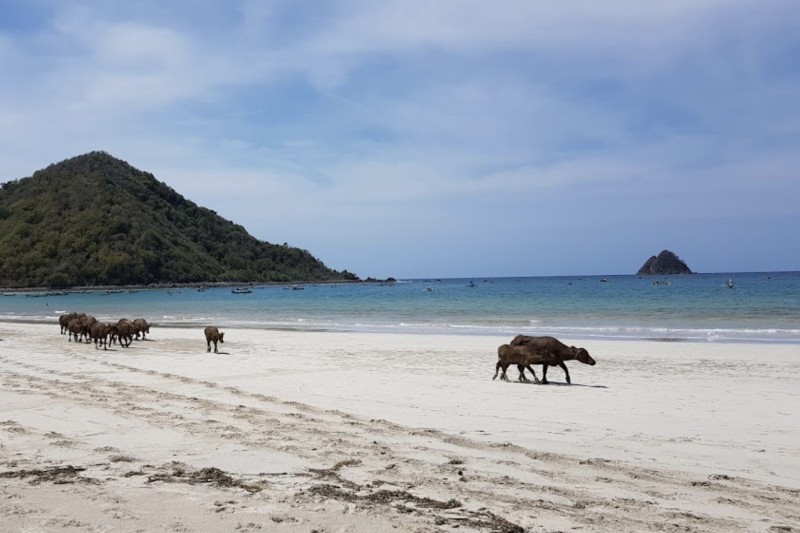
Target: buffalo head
[(583, 356)]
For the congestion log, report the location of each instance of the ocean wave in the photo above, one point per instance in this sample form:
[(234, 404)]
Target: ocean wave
[(605, 332)]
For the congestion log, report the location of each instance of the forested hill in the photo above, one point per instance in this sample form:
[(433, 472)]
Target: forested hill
[(96, 220)]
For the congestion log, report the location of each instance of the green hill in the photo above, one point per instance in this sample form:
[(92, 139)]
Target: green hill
[(95, 220)]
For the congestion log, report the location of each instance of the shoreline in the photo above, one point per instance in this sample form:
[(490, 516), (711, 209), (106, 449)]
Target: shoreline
[(375, 431), (569, 338), (65, 291)]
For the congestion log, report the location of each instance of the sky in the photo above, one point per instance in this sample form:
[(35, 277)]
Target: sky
[(448, 138)]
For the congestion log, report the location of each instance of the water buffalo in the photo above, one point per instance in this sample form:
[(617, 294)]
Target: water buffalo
[(65, 319), (554, 346), (213, 335), (141, 327), (99, 332), (125, 332), (79, 327), (523, 357)]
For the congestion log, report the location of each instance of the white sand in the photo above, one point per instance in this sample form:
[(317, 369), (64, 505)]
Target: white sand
[(351, 432)]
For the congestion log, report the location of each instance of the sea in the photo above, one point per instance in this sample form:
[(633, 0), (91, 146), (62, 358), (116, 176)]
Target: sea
[(726, 307)]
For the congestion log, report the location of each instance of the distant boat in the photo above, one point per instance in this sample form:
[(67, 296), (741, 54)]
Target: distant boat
[(241, 290), (604, 280), (730, 283)]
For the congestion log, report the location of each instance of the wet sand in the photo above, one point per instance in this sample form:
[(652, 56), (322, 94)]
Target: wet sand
[(358, 432)]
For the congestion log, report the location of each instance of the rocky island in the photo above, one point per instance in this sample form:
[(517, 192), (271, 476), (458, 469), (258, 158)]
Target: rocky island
[(666, 263)]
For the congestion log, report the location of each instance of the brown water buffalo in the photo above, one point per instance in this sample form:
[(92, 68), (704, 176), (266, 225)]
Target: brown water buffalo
[(79, 327), (65, 319), (213, 335), (141, 327), (99, 332), (554, 346), (125, 332), (523, 357)]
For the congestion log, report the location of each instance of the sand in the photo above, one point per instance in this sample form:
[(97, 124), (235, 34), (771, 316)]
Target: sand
[(359, 432)]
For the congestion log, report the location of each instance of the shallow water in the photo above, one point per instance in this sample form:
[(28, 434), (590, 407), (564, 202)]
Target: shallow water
[(761, 307)]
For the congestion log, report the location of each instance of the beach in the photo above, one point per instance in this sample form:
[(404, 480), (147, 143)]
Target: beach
[(302, 431)]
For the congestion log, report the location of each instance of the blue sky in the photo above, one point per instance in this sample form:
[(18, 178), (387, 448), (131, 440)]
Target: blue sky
[(414, 138)]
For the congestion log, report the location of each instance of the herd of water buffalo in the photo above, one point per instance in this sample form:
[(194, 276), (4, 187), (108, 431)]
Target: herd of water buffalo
[(523, 350), (84, 328)]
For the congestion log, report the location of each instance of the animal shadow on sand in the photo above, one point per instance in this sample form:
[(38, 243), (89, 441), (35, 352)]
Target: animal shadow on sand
[(561, 384)]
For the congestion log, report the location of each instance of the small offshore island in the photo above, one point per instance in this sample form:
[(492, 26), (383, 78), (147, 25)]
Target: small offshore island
[(665, 264)]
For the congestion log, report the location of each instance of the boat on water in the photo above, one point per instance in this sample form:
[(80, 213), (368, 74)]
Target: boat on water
[(42, 294), (730, 284), (241, 290)]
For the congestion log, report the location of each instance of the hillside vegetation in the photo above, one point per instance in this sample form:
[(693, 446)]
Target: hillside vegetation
[(96, 220)]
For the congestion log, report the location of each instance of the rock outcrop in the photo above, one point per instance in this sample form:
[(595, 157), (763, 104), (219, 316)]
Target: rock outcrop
[(667, 263)]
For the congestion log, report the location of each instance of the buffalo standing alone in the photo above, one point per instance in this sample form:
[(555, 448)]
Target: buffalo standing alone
[(213, 335)]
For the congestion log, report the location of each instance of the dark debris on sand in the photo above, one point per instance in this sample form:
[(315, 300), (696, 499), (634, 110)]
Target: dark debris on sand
[(212, 475), (58, 475), (405, 502)]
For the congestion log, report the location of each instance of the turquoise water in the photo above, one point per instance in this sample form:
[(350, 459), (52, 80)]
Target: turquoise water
[(762, 307)]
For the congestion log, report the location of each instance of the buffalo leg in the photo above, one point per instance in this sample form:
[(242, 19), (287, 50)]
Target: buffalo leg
[(522, 376), (497, 370), (535, 379), (562, 365), (503, 368)]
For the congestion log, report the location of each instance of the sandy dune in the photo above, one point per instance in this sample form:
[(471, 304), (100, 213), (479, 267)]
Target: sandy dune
[(329, 432)]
